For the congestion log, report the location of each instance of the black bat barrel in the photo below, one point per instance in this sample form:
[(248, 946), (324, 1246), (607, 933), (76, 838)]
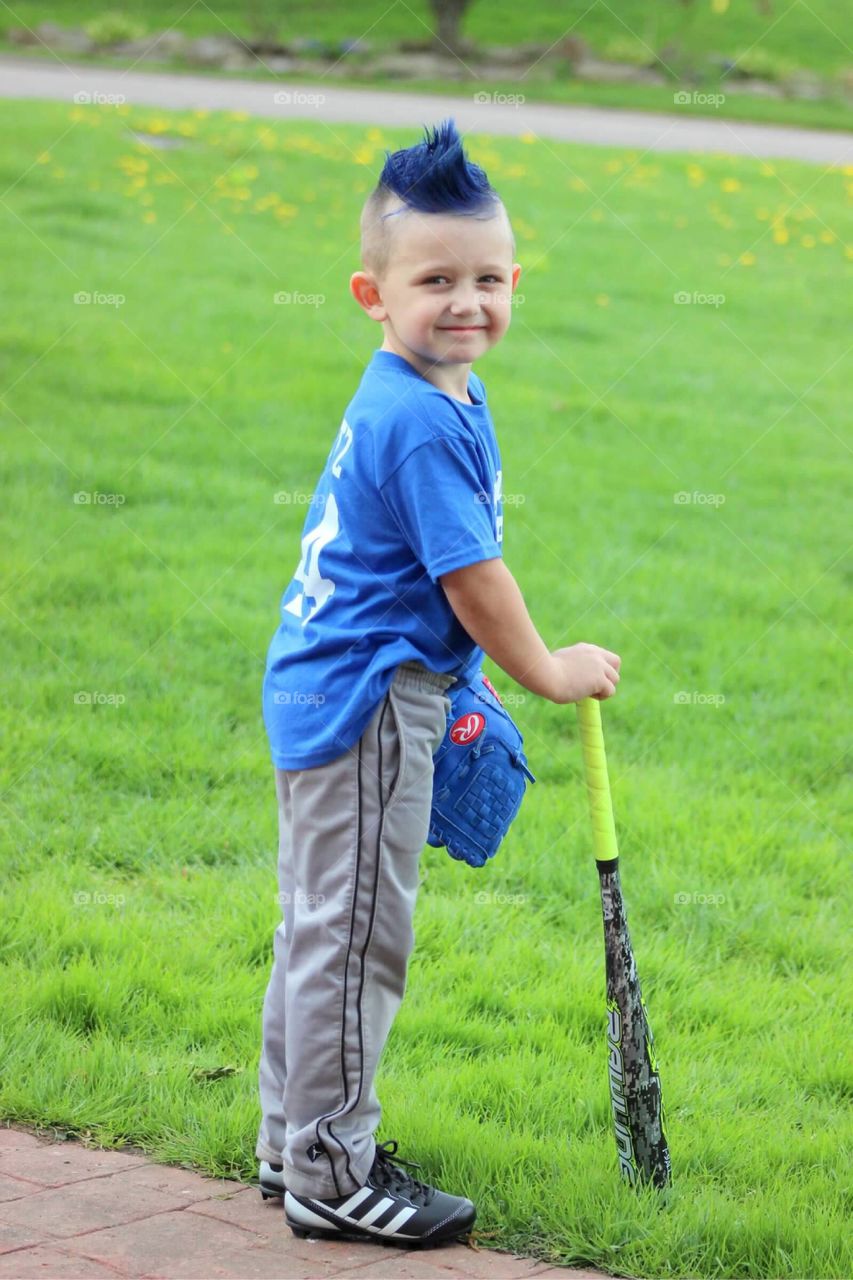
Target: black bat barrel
[(635, 1089)]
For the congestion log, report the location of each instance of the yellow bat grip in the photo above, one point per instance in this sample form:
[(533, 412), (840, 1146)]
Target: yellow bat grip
[(597, 783)]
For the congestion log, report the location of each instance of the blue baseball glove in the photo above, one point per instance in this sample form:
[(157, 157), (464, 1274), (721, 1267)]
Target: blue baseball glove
[(479, 775)]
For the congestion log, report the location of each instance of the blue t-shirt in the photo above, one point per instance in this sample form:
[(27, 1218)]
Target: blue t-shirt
[(411, 490)]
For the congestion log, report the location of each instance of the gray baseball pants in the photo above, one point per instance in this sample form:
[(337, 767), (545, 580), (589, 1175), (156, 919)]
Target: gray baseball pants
[(351, 833)]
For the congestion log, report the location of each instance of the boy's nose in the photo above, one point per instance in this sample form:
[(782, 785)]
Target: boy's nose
[(467, 303)]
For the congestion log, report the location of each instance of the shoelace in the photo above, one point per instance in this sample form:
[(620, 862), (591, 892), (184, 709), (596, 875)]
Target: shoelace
[(387, 1174)]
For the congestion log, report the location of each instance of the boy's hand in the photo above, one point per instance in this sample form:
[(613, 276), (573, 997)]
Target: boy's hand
[(583, 671)]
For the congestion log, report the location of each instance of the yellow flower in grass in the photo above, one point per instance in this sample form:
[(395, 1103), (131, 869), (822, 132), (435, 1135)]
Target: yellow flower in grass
[(613, 166), (780, 235), (158, 125), (201, 114), (848, 251), (578, 184), (187, 129), (43, 157), (597, 215), (762, 214), (133, 164), (515, 171), (827, 236), (286, 211), (695, 175), (364, 154), (529, 138), (238, 115), (267, 202), (164, 177), (602, 300), (730, 184), (150, 216), (747, 259)]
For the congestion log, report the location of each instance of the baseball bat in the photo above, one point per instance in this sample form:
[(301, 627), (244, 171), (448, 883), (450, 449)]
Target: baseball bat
[(635, 1088)]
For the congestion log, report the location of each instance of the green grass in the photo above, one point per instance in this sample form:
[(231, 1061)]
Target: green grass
[(784, 37), (684, 42), (197, 400)]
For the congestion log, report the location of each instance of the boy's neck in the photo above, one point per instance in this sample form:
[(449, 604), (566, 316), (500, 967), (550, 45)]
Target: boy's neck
[(452, 379)]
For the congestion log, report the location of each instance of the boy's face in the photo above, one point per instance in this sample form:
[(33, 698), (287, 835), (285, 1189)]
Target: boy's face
[(445, 294)]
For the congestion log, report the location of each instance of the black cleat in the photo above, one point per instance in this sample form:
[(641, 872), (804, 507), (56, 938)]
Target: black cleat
[(392, 1208)]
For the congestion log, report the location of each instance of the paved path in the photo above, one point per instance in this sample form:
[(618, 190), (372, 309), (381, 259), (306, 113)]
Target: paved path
[(25, 78), (69, 1211)]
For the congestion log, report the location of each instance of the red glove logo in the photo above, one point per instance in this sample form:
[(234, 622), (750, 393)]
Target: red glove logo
[(467, 728)]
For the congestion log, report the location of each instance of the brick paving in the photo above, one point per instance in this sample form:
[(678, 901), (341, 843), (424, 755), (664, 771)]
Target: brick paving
[(69, 1211)]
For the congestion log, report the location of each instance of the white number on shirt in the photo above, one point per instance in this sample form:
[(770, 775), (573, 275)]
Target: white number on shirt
[(314, 586)]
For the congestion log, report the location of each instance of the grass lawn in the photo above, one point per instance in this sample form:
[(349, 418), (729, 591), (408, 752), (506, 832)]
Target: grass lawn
[(138, 866), (679, 40)]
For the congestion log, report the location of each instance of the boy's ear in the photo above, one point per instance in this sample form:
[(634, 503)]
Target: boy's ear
[(365, 290), (516, 272)]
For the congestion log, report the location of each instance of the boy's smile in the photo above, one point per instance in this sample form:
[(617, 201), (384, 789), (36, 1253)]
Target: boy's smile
[(445, 296)]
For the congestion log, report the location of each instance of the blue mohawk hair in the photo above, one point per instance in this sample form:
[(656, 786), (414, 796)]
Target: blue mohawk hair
[(435, 176)]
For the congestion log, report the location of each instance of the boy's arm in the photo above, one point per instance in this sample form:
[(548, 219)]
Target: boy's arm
[(487, 601)]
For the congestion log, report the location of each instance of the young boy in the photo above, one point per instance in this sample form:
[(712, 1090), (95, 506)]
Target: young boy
[(399, 591)]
